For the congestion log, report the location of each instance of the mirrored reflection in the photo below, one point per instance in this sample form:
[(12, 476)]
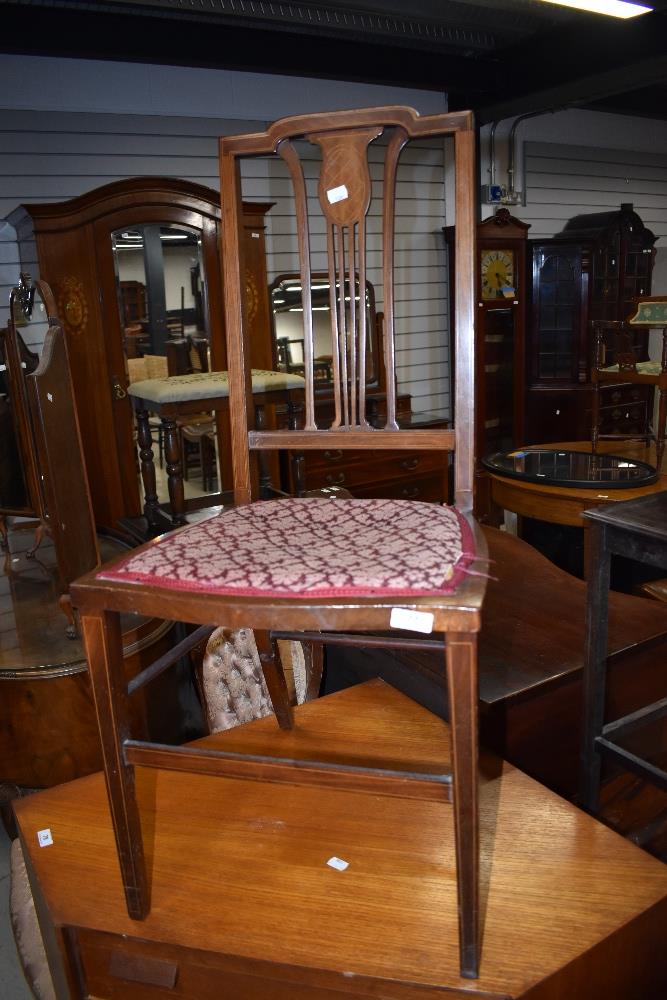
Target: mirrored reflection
[(161, 286), (164, 318), (287, 312), (571, 468)]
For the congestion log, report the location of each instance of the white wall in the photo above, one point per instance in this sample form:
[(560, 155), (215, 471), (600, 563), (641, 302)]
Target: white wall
[(572, 162)]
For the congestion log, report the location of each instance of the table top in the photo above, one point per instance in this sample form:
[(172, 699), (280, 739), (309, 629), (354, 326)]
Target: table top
[(240, 868), (33, 642), (569, 467), (645, 515)]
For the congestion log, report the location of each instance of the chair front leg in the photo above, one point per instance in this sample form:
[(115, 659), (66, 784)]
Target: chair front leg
[(104, 651), (145, 442), (461, 658)]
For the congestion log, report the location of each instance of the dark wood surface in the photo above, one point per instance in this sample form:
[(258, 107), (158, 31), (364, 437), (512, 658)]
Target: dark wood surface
[(645, 515), (531, 653), (244, 902)]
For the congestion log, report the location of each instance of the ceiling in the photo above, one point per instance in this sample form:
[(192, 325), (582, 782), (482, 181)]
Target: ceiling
[(500, 58)]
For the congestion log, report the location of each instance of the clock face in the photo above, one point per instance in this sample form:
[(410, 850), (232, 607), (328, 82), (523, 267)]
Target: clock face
[(497, 274)]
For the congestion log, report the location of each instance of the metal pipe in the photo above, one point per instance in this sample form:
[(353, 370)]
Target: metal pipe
[(512, 140), (492, 154)]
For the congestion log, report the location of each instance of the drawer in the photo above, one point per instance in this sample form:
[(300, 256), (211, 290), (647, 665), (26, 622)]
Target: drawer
[(621, 394), (430, 489), (118, 968), (629, 417), (350, 468), (115, 967)]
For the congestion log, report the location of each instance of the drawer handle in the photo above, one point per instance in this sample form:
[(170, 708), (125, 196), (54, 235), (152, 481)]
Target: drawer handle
[(139, 969), (334, 456), (410, 492), (409, 464), (335, 480)]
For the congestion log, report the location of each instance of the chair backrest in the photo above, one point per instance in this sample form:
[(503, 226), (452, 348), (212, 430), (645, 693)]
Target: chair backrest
[(350, 225), (625, 342), (147, 366), (614, 344)]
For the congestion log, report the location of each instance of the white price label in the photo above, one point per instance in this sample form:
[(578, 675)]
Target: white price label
[(412, 621), (338, 864), (337, 194), (44, 838)]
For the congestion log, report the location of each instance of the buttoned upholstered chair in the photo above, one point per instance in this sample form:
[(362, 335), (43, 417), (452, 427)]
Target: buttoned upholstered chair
[(382, 572), (616, 341)]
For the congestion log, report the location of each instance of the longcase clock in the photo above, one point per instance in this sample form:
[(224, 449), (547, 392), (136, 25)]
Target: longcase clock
[(500, 337)]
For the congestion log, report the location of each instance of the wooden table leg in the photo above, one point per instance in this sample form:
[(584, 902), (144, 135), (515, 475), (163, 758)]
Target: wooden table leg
[(145, 442), (172, 454)]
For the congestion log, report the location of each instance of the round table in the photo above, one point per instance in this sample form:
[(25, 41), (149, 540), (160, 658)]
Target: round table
[(545, 500)]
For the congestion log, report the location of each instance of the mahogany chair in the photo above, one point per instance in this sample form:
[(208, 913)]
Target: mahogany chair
[(325, 571), (619, 338)]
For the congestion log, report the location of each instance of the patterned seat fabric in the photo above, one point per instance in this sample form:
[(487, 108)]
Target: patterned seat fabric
[(208, 385), (318, 547)]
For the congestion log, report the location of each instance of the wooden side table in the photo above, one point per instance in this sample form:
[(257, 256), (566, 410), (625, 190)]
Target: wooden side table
[(638, 530)]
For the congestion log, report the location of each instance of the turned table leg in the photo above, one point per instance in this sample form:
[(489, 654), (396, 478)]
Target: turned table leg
[(145, 442), (172, 454)]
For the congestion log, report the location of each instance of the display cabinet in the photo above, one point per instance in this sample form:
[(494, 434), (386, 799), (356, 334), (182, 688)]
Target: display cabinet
[(593, 269), (162, 233)]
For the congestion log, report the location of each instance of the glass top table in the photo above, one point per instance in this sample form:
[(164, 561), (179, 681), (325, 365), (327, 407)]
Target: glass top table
[(557, 467)]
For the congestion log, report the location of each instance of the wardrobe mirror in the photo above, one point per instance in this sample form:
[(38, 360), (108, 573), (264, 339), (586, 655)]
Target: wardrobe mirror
[(161, 286), (288, 331)]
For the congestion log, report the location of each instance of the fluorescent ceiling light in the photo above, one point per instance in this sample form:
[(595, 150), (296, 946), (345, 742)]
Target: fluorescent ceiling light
[(613, 8)]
